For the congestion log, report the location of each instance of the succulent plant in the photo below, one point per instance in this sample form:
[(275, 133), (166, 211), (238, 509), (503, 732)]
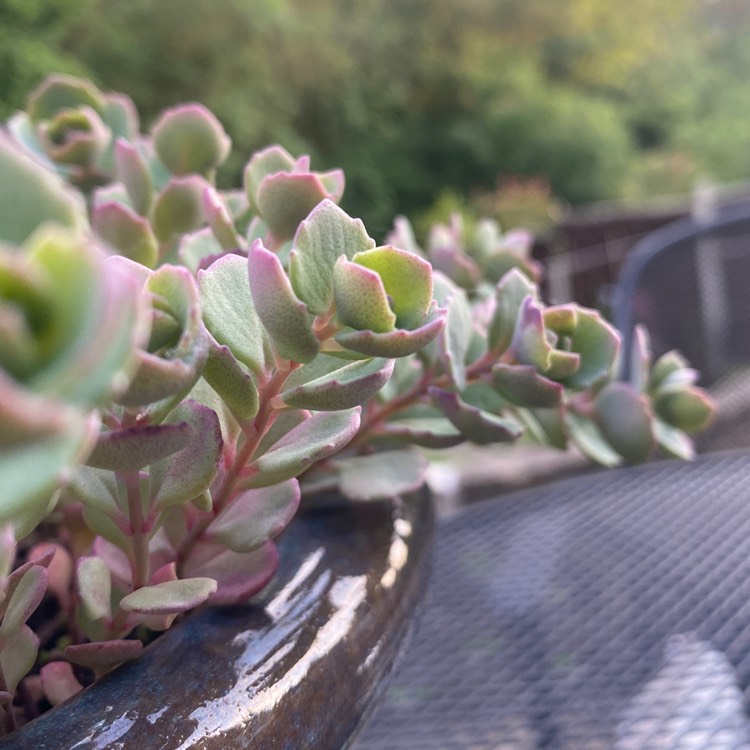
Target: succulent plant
[(179, 364)]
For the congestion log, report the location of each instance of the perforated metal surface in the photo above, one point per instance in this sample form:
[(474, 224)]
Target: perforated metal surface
[(552, 618)]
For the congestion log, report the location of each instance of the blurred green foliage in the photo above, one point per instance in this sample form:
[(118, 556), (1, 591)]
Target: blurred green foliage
[(413, 97)]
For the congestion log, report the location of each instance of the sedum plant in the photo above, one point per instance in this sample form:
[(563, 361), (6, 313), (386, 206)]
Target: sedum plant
[(179, 364)]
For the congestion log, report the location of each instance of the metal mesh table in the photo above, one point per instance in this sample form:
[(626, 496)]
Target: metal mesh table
[(609, 610)]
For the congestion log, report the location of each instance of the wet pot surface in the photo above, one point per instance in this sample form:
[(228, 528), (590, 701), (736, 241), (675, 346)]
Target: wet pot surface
[(298, 668)]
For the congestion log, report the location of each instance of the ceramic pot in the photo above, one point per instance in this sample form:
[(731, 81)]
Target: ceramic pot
[(298, 668)]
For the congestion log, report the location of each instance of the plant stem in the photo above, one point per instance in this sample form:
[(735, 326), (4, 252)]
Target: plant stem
[(139, 538)]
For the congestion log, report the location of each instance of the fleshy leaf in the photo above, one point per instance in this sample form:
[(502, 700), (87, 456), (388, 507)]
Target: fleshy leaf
[(673, 441), (220, 221), (343, 388), (169, 597), (624, 417), (133, 448), (58, 92), (131, 235), (94, 587), (32, 195), (522, 385), (562, 364), (597, 343), (230, 380), (268, 161), (132, 171), (477, 425), (24, 599), (318, 437), (58, 682), (665, 366), (18, 656), (238, 575), (425, 432), (381, 475), (283, 315), (104, 655), (407, 279), (590, 441), (529, 345), (95, 487), (255, 516), (189, 138), (688, 409), (361, 299), (398, 343), (510, 293), (325, 235), (562, 319), (454, 340), (189, 472), (179, 207), (229, 312)]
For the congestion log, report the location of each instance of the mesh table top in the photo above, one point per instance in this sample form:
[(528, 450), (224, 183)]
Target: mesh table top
[(610, 610)]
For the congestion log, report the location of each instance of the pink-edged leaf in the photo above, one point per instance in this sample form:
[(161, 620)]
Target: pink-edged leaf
[(476, 425), (94, 587), (381, 475), (342, 388), (454, 340), (522, 385), (319, 437), (672, 441), (127, 232), (17, 656), (238, 575), (624, 416), (562, 319), (398, 343), (60, 91), (255, 517), (589, 440), (132, 171), (104, 655), (232, 382), (24, 598), (426, 432), (283, 315), (325, 235), (220, 221), (598, 343), (562, 364), (262, 163), (179, 207), (7, 548), (135, 447), (687, 408), (510, 294), (59, 564), (456, 264), (189, 138), (164, 574), (529, 345), (286, 199), (58, 682), (117, 562), (285, 422), (169, 597), (361, 299), (199, 249), (188, 472)]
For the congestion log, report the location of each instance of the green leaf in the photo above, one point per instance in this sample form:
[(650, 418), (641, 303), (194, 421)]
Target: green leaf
[(58, 92), (322, 238), (673, 441), (624, 417), (24, 599), (284, 317), (94, 587), (456, 336), (665, 366), (530, 345), (255, 516), (476, 425), (597, 343), (189, 138), (381, 475), (407, 279), (169, 597), (95, 487), (268, 161), (132, 171), (425, 431), (398, 343), (135, 447), (18, 656), (361, 299), (220, 221), (342, 388), (687, 408), (127, 232), (197, 247), (32, 195), (522, 385), (179, 207), (229, 312), (230, 380), (590, 441), (510, 293), (188, 473), (322, 435)]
